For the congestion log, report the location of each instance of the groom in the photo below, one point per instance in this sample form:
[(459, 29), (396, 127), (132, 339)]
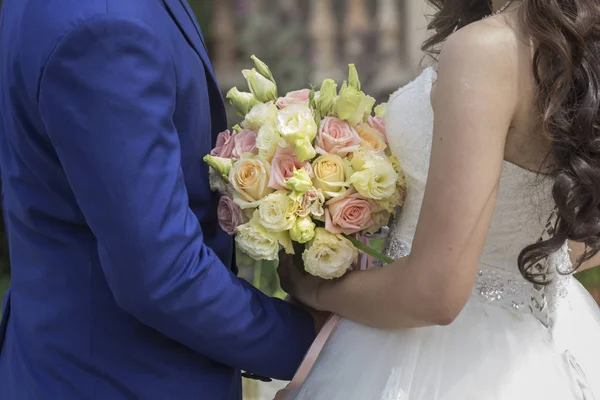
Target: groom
[(122, 283)]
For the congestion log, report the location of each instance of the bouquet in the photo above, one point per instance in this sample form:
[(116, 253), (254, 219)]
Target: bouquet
[(309, 173)]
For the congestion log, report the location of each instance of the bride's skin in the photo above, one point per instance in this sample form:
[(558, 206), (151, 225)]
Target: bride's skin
[(483, 101)]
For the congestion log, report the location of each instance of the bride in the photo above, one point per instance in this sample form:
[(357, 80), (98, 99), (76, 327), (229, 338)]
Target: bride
[(501, 148)]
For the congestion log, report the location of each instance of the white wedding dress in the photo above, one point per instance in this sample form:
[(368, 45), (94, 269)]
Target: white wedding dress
[(511, 342)]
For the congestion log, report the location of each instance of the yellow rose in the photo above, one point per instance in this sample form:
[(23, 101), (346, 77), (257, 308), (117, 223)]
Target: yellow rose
[(267, 141), (296, 122), (277, 212), (328, 256), (249, 178), (376, 178), (303, 230), (331, 175), (260, 115), (258, 243), (372, 138)]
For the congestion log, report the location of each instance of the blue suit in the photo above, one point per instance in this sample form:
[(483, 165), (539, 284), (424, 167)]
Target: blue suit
[(121, 278)]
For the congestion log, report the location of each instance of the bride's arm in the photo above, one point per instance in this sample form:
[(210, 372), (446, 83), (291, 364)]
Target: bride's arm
[(474, 101)]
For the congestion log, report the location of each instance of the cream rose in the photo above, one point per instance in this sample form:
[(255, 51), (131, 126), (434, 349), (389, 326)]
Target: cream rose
[(372, 139), (249, 178), (328, 256), (331, 175)]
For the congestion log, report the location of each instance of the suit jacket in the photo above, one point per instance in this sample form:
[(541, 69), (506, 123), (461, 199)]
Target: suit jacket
[(121, 278)]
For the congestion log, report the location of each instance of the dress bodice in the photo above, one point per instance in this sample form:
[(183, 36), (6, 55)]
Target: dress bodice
[(523, 207)]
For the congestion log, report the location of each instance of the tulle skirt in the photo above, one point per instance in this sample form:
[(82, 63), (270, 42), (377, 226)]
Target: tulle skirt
[(488, 353)]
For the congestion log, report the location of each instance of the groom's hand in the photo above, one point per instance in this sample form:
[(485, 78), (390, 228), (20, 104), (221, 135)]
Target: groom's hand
[(286, 270)]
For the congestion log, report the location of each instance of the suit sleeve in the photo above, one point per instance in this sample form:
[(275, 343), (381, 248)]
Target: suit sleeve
[(106, 98)]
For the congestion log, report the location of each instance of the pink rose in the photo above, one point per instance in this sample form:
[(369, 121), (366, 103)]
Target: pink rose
[(229, 215), (297, 96), (378, 123), (283, 165), (336, 137), (225, 145), (245, 142), (349, 214)]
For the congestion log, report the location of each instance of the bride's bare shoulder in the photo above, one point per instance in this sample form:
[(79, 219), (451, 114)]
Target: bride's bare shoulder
[(490, 49)]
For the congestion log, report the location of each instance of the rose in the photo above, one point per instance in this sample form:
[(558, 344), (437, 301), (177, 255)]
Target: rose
[(229, 215), (372, 139), (352, 105), (245, 142), (336, 137), (378, 123), (277, 212), (349, 214), (258, 243), (295, 122), (374, 176), (303, 230), (331, 175), (328, 256), (311, 203), (261, 114), (296, 96), (225, 145), (262, 88), (249, 178), (283, 165)]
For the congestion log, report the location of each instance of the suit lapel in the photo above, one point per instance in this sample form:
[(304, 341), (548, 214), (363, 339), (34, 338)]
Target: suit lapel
[(184, 18)]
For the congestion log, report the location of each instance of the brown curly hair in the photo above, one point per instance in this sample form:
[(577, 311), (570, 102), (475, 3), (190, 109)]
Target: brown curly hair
[(566, 67)]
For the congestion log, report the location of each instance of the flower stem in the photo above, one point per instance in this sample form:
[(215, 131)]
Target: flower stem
[(367, 250)]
